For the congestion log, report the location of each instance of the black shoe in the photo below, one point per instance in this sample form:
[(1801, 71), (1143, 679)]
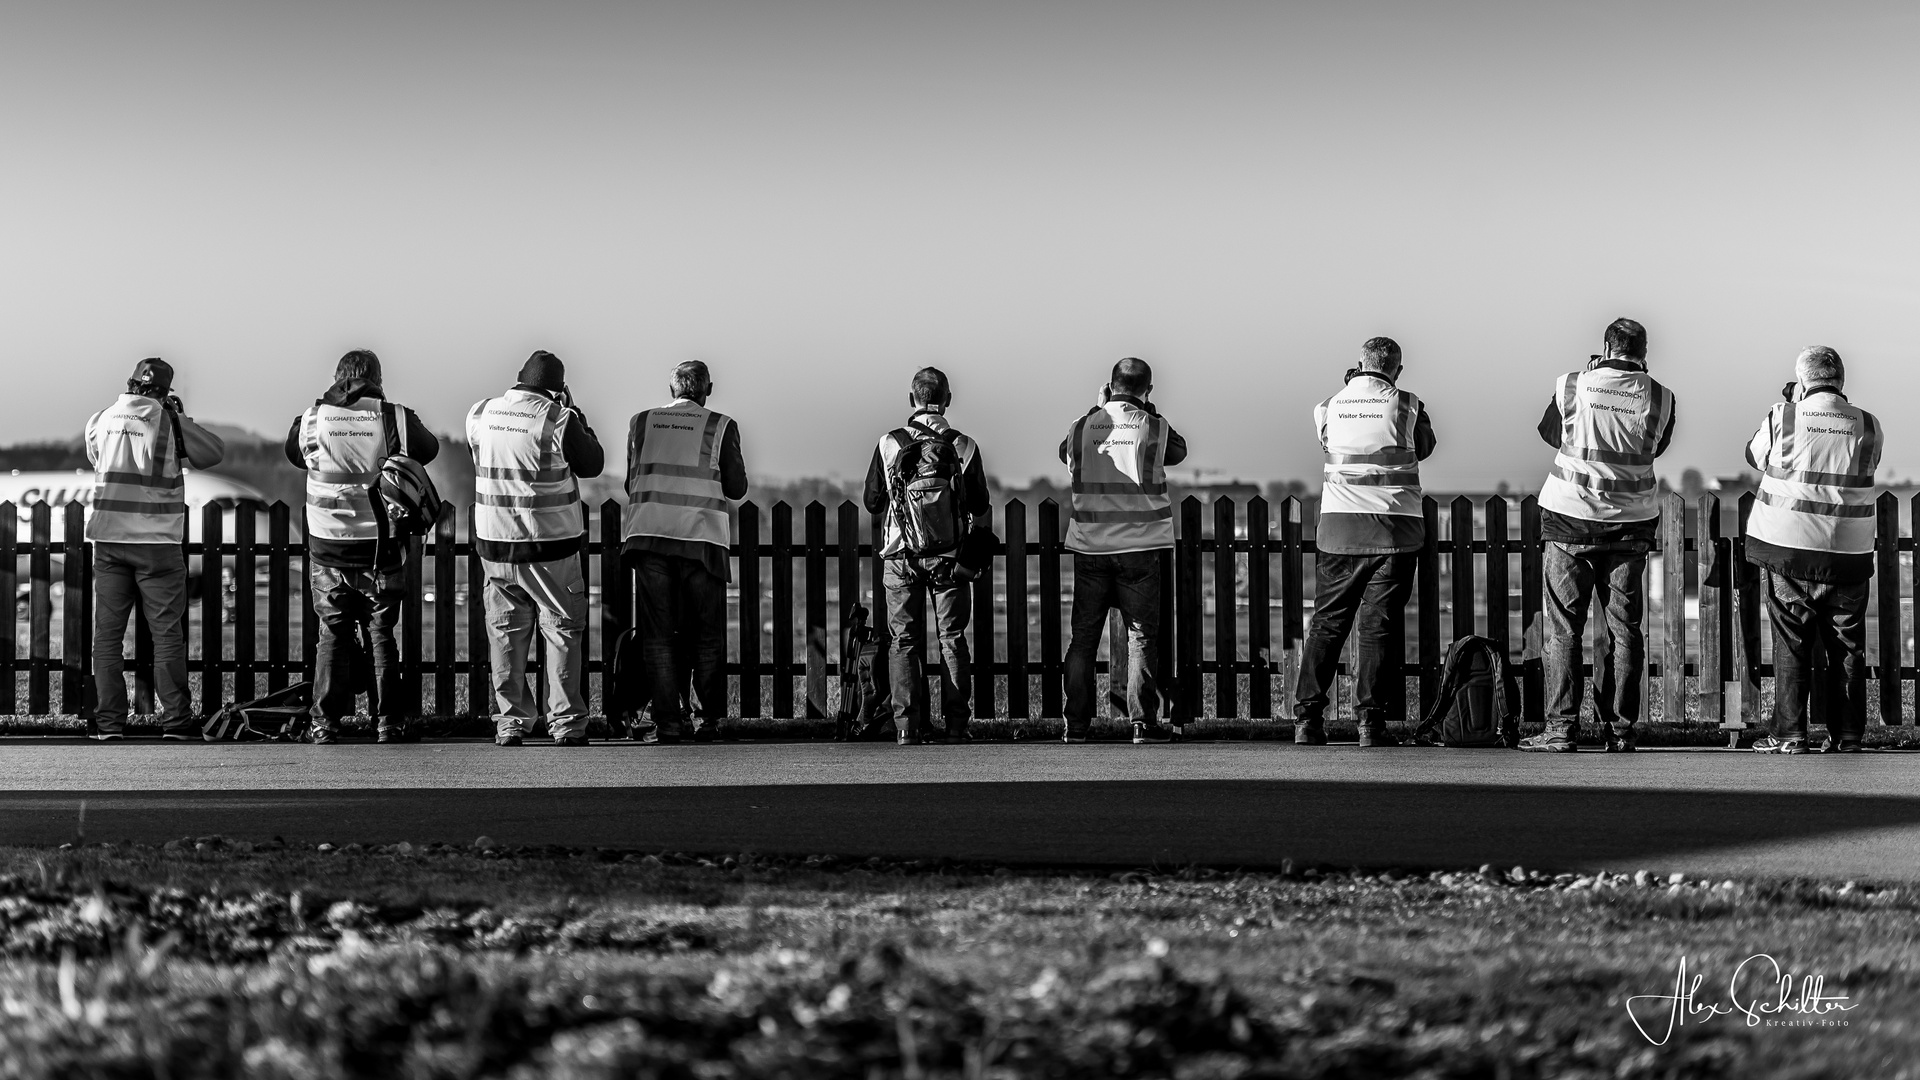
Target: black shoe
[(108, 736), (958, 735), (1376, 737), (1144, 733), (707, 732), (510, 740), (906, 738), (323, 738), (571, 740), (1831, 747), (1549, 744), (1073, 736), (1620, 744), (1307, 733)]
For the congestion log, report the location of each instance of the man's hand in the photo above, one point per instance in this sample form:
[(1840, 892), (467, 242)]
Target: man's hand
[(172, 404)]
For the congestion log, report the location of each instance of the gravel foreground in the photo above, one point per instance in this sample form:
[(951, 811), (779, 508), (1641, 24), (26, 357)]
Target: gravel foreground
[(211, 958)]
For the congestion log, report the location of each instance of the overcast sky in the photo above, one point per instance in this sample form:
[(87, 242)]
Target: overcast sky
[(819, 198)]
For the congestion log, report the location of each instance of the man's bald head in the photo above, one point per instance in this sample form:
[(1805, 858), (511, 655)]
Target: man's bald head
[(1132, 377)]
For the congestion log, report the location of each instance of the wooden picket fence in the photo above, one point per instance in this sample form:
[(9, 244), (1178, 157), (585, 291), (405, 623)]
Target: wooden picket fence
[(1230, 632)]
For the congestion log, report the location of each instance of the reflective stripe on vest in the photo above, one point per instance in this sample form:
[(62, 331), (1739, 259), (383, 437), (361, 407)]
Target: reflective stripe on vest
[(343, 446), (1372, 467), (673, 479), (1816, 488), (138, 489), (523, 490), (1610, 426), (1117, 458)]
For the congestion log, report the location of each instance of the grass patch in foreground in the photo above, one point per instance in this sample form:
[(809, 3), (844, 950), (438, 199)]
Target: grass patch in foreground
[(441, 961)]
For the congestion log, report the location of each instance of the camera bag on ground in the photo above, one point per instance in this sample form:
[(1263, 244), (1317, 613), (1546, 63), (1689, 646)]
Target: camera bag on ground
[(866, 707), (924, 488), (630, 693), (282, 714), (1478, 704)]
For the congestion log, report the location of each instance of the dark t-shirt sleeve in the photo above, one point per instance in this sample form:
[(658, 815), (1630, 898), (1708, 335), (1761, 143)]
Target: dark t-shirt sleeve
[(581, 448), (1423, 442), (973, 484), (733, 464), (294, 455), (1667, 435), (422, 445), (1176, 447), (1550, 425)]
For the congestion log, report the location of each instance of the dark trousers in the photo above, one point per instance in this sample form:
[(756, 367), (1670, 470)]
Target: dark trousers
[(1835, 615), (683, 637), (346, 600), (1130, 582), (909, 582), (1577, 574), (1367, 594), (155, 577)]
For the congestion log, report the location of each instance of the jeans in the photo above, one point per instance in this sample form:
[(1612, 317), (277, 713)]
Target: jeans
[(1836, 615), (908, 581), (552, 595), (346, 600), (1371, 590), (1575, 575), (1130, 582), (156, 576), (683, 636)]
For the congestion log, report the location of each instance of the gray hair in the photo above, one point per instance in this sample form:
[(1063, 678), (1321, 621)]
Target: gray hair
[(691, 379), (1380, 354), (1818, 364)]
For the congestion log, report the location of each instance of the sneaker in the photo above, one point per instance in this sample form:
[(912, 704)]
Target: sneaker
[(1073, 736), (323, 738), (1309, 734), (906, 738), (1620, 744), (706, 732), (108, 736), (1770, 745), (1377, 737), (958, 735), (1549, 744), (510, 740), (1830, 747), (571, 740), (1151, 733)]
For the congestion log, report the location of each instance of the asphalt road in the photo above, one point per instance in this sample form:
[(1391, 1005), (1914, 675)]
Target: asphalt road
[(1223, 804)]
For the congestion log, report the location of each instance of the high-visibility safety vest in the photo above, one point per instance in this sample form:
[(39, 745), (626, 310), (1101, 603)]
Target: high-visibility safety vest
[(1817, 458), (139, 494), (523, 489), (673, 479), (343, 446), (924, 424), (1367, 431), (1117, 456), (1611, 421)]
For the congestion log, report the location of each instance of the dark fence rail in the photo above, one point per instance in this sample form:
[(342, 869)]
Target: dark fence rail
[(1239, 595)]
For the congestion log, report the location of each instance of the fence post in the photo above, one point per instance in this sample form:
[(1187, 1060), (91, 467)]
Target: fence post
[(74, 668), (1259, 626), (847, 542), (1673, 607), (1429, 616), (40, 610), (1018, 704), (213, 606), (446, 615), (245, 514), (1499, 629), (10, 585), (1460, 535), (1886, 549), (1050, 649), (1746, 581), (1293, 600), (279, 609), (616, 604), (1188, 615), (1226, 596), (783, 610), (816, 609), (750, 620), (984, 703), (412, 653), (1711, 560), (479, 657), (1532, 631)]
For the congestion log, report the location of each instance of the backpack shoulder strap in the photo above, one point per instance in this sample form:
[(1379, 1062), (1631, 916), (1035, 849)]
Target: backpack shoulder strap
[(396, 426)]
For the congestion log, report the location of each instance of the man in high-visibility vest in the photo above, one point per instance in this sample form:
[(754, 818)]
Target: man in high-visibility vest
[(356, 580), (684, 471), (1371, 530), (531, 446), (1812, 533), (138, 524), (1599, 512), (928, 480), (1122, 519)]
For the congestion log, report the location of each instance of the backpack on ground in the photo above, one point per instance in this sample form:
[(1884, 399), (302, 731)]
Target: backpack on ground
[(282, 714), (866, 706), (630, 693), (924, 489), (1478, 703)]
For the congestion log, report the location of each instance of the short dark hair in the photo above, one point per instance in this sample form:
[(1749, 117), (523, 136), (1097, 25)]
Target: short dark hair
[(1131, 376), (1626, 338), (1379, 354), (358, 364), (929, 386), (691, 378)]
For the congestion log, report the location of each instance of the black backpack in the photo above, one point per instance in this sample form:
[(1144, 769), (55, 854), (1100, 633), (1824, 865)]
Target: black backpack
[(404, 497), (924, 488), (1478, 703), (866, 704)]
